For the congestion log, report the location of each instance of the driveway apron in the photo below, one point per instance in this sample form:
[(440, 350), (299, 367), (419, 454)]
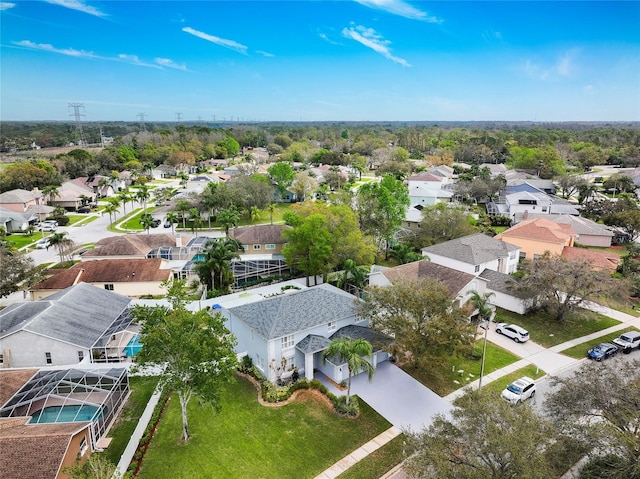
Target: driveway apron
[(399, 398)]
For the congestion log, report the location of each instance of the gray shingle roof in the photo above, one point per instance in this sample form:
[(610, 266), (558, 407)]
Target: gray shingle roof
[(312, 344), (295, 312), (473, 249), (353, 332), (19, 196), (77, 315), (499, 282)]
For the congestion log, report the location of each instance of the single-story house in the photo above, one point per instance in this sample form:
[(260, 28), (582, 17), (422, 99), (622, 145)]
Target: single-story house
[(588, 233), (474, 253), (72, 195), (536, 236), (79, 324), (15, 222), (294, 328), (130, 277), (131, 246), (599, 260)]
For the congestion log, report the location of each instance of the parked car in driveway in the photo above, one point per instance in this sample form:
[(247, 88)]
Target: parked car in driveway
[(84, 209), (513, 331), (43, 243), (49, 225), (628, 341), (602, 351), (519, 390)]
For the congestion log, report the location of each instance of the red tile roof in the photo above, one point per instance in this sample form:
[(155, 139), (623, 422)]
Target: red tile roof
[(540, 229), (107, 271), (600, 260)]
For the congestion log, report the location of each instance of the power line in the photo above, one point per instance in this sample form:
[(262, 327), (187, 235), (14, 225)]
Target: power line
[(142, 117), (178, 116), (78, 116)]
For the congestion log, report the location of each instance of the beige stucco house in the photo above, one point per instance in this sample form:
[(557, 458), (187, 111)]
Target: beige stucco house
[(536, 236)]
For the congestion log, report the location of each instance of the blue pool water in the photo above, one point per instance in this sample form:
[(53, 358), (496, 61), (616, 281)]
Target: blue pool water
[(133, 346), (74, 413), (198, 257)]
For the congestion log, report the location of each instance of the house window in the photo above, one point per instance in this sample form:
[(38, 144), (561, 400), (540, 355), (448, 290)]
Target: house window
[(291, 363), (108, 287), (544, 209), (287, 342), (47, 356), (257, 246), (83, 446), (536, 256), (477, 268), (331, 326), (260, 362), (80, 356), (269, 246), (1, 358), (245, 247)]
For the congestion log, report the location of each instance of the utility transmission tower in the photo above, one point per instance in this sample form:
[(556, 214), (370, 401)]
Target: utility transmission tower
[(78, 114), (142, 125), (178, 116)]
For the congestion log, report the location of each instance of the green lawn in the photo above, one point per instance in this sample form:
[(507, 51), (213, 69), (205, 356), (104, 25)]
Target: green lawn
[(378, 462), (20, 240), (247, 440), (446, 378), (133, 219), (580, 351), (141, 390), (548, 332)]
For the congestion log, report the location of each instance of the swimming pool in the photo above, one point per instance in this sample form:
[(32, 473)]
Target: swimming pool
[(75, 413), (133, 346)]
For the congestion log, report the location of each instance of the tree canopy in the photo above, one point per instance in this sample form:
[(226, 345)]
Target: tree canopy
[(193, 350)]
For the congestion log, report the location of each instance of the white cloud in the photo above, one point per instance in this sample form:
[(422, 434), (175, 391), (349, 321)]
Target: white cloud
[(265, 54), (134, 60), (230, 44), (370, 39), (165, 62), (398, 7), (47, 47), (564, 67), (6, 5), (326, 38), (79, 6)]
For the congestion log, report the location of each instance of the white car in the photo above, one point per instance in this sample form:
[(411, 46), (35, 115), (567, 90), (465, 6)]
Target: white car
[(519, 390), (43, 243), (518, 334), (49, 225)]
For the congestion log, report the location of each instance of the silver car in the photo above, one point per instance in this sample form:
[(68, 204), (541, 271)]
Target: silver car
[(513, 331)]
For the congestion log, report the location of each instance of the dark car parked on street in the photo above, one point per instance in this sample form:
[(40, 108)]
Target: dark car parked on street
[(602, 351)]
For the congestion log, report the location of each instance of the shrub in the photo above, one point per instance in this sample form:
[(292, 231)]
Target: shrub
[(340, 404), (246, 365)]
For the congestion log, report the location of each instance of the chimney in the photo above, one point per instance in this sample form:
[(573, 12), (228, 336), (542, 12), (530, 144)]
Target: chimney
[(179, 241)]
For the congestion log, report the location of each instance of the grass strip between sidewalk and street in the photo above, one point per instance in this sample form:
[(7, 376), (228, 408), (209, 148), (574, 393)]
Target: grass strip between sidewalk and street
[(580, 350), (379, 462)]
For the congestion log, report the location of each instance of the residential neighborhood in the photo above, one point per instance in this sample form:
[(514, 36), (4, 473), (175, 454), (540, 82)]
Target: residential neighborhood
[(377, 300)]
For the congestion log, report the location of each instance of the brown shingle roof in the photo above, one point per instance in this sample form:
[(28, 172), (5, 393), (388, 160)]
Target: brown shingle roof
[(107, 271), (130, 245), (540, 229), (599, 260), (34, 451), (453, 280), (12, 381), (259, 234)]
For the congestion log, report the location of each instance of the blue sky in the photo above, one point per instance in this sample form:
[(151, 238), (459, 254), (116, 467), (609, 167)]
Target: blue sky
[(349, 60)]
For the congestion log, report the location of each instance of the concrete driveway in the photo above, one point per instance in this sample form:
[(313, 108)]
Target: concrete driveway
[(399, 398)]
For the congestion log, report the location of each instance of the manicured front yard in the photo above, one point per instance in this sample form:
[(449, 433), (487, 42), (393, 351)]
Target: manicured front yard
[(142, 388), (19, 240), (446, 378), (580, 351), (247, 440), (548, 332)]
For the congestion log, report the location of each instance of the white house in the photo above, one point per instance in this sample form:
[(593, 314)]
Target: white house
[(294, 327), (475, 253), (81, 323), (428, 189)]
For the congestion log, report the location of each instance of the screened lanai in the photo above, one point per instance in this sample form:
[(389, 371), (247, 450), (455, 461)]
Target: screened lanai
[(71, 395)]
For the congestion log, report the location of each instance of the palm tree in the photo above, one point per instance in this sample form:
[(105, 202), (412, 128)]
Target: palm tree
[(62, 244), (255, 213), (353, 275), (404, 253), (196, 220), (146, 220), (125, 197), (272, 208), (182, 206), (50, 192), (143, 195), (228, 217), (172, 218), (352, 352), (111, 209), (214, 269)]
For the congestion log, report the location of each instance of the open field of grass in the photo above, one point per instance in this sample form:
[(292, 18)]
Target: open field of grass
[(446, 378), (548, 332), (247, 440), (580, 351), (142, 388)]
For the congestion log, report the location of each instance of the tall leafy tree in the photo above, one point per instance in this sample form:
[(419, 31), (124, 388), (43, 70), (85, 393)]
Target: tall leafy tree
[(420, 316), (282, 175), (353, 352), (559, 285), (194, 351), (440, 223), (484, 438), (18, 270), (382, 208), (308, 245)]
